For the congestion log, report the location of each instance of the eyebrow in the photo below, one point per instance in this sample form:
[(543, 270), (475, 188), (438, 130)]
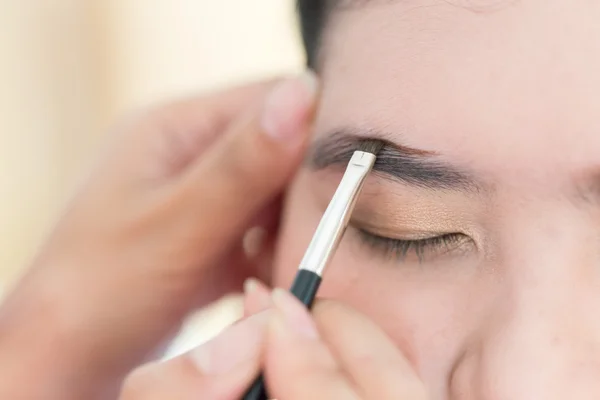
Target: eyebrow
[(400, 163)]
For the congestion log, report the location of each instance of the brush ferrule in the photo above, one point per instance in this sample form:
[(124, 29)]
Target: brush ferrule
[(362, 159), (337, 215)]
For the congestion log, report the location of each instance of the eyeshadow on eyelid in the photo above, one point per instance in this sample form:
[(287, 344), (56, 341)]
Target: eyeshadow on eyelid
[(392, 210), (409, 218)]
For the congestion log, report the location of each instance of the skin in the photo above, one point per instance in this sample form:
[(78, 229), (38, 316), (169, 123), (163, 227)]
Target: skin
[(154, 233), (508, 92), (505, 91), (159, 229), (304, 356)]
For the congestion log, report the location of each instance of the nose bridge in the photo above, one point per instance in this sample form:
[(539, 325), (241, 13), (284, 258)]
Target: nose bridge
[(531, 343), (541, 337)]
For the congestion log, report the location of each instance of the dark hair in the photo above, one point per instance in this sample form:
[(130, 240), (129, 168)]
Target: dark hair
[(312, 14)]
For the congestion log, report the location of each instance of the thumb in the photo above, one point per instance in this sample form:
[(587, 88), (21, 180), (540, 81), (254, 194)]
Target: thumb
[(248, 166), (220, 369)]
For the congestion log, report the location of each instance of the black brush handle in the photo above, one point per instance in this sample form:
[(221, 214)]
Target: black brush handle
[(304, 288)]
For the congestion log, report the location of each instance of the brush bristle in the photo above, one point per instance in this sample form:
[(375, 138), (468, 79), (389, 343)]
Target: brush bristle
[(372, 146)]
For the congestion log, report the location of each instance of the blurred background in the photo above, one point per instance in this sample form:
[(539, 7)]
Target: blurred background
[(70, 68)]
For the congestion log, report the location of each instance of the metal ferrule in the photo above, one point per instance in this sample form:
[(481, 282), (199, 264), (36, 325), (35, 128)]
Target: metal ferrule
[(335, 219)]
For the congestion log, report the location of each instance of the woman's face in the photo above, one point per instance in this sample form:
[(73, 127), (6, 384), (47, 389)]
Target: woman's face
[(480, 252)]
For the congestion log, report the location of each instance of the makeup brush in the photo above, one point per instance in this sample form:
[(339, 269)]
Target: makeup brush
[(327, 236)]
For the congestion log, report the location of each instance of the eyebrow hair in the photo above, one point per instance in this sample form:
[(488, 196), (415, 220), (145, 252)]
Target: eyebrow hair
[(395, 161)]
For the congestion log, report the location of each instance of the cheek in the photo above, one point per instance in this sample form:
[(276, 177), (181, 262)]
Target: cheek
[(427, 313)]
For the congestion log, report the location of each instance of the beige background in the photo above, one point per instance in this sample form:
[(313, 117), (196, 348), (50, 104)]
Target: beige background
[(69, 68)]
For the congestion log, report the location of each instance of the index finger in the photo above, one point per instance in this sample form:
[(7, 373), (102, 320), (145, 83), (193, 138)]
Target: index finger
[(219, 369), (219, 108), (248, 167)]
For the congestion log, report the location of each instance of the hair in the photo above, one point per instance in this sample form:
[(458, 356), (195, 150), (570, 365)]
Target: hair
[(312, 14)]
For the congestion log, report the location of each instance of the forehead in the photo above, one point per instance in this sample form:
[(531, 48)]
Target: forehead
[(503, 90)]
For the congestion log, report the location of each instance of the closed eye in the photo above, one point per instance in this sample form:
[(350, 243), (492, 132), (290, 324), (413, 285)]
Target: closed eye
[(400, 249)]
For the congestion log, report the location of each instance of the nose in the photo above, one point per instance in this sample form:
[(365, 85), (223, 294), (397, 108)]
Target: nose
[(540, 338), (538, 352)]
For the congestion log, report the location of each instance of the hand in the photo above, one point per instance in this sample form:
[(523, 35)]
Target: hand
[(154, 232), (336, 355)]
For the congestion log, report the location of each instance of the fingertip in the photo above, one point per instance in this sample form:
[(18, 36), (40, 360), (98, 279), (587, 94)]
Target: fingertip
[(250, 286), (295, 315), (277, 329), (257, 296), (298, 366), (236, 345), (289, 107), (279, 338)]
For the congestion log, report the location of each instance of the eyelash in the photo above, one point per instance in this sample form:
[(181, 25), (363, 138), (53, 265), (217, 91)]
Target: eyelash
[(400, 248)]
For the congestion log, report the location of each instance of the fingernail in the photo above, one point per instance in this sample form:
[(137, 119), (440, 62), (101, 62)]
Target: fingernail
[(295, 315), (258, 293), (250, 286), (288, 107), (238, 344)]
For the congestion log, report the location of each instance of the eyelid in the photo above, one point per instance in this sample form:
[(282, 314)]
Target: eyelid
[(413, 230), (400, 249), (405, 234), (401, 234)]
